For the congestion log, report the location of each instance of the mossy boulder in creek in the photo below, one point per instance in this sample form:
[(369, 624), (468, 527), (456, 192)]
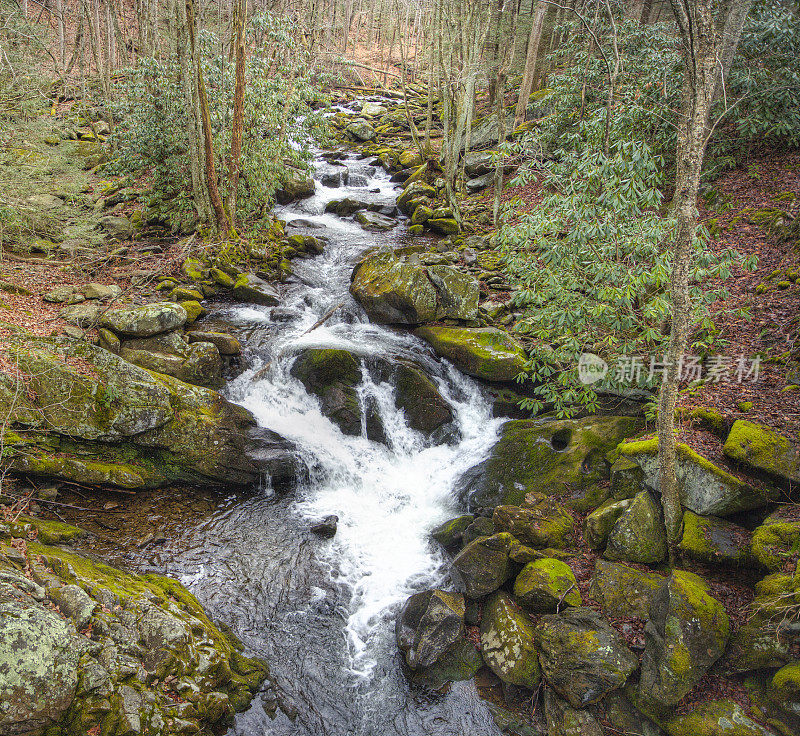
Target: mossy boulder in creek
[(484, 564), (583, 658), (564, 457), (251, 289), (415, 190), (507, 642), (624, 591), (639, 535), (450, 532), (544, 585), (776, 542), (716, 718), (686, 634), (484, 352), (333, 375), (762, 449), (142, 631), (400, 289), (92, 417), (705, 488), (145, 321), (711, 539), (430, 633), (295, 187)]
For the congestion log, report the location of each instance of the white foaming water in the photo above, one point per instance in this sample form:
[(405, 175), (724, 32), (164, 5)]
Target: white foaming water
[(388, 497)]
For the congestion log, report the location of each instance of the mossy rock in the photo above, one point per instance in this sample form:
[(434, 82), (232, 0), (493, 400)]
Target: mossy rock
[(776, 596), (145, 321), (428, 625), (484, 564), (443, 225), (540, 522), (715, 540), (784, 688), (759, 645), (624, 591), (582, 657), (507, 642), (687, 633), (564, 458), (638, 535), (544, 585), (449, 533), (716, 718), (600, 522), (424, 407), (762, 449), (45, 531), (776, 543), (705, 488), (564, 720), (486, 352)]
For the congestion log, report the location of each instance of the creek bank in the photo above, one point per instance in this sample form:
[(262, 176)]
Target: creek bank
[(90, 649)]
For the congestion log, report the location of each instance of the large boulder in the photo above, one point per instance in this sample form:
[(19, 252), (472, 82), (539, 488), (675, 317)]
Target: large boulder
[(483, 352), (762, 449), (716, 718), (705, 488), (250, 288), (687, 632), (564, 720), (564, 457), (413, 194), (333, 376), (583, 658), (484, 564), (145, 321), (776, 543), (760, 645), (507, 642), (639, 534), (399, 289), (375, 221), (600, 522), (93, 418), (425, 409), (545, 585), (539, 522), (624, 591), (362, 131), (295, 187)]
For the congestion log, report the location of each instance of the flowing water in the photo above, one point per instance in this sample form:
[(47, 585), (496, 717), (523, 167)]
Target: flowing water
[(322, 611)]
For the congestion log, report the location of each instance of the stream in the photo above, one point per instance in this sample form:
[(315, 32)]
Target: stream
[(322, 611)]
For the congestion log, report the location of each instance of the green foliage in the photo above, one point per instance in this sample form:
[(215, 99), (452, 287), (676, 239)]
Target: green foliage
[(280, 123), (593, 263)]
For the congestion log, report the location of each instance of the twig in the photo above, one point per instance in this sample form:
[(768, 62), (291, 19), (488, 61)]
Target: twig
[(563, 595), (324, 319)]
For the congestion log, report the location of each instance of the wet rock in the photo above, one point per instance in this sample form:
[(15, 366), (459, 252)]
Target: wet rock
[(545, 585), (582, 657), (443, 225), (711, 539), (485, 352), (624, 591), (705, 488), (545, 456), (327, 527), (762, 449), (564, 720), (430, 633), (295, 187), (507, 642), (198, 363), (361, 130), (639, 534), (776, 543), (375, 222), (484, 565), (481, 526), (145, 321), (347, 206), (449, 533), (424, 407), (687, 632), (333, 375), (415, 192), (251, 289), (421, 215)]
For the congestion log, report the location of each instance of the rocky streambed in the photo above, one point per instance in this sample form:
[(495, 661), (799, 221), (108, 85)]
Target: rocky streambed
[(367, 513)]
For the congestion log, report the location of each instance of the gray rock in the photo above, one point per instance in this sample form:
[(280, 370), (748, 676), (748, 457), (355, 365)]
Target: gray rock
[(81, 315), (101, 291), (145, 321), (564, 720), (117, 228), (361, 131), (479, 183), (249, 288), (639, 534), (484, 564), (374, 221), (75, 603)]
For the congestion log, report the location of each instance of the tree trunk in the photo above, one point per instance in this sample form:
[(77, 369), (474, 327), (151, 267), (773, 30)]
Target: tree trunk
[(529, 74), (700, 46), (239, 12)]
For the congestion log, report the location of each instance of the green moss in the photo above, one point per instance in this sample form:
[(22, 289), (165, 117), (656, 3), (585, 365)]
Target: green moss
[(763, 449), (745, 406)]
